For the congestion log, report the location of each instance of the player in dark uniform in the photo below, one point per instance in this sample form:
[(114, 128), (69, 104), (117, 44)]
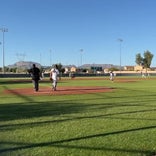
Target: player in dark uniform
[(35, 74)]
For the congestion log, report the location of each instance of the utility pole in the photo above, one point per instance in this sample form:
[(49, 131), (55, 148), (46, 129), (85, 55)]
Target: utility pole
[(120, 40), (81, 51), (3, 31), (0, 43), (50, 58)]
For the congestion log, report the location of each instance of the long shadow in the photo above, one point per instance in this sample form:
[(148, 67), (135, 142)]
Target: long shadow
[(50, 108), (27, 98), (68, 118), (102, 148), (58, 142), (35, 109), (91, 148), (32, 108)]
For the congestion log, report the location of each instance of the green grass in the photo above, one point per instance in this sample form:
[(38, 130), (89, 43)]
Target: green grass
[(118, 123)]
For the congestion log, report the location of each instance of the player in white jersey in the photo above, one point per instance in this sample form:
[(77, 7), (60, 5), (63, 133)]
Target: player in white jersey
[(54, 76)]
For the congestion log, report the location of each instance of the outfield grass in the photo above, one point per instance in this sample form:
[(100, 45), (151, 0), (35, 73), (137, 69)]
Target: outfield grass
[(118, 123)]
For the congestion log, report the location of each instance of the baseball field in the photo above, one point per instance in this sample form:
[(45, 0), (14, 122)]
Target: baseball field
[(90, 116)]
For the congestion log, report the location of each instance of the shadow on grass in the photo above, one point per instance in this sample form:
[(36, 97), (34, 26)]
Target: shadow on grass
[(59, 143), (66, 119), (32, 109), (35, 109)]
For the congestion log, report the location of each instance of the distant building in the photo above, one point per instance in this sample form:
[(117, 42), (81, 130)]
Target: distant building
[(129, 68), (73, 69), (141, 68), (138, 68), (67, 70), (70, 68)]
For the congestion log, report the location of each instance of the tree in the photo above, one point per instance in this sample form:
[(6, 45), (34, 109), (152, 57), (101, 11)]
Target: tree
[(144, 61), (148, 56), (138, 59)]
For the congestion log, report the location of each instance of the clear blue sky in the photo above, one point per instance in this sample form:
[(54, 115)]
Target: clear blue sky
[(53, 31)]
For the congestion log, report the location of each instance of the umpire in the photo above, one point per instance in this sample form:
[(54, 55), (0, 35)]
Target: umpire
[(35, 75)]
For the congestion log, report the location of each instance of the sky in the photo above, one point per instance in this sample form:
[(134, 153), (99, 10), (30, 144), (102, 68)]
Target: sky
[(77, 31)]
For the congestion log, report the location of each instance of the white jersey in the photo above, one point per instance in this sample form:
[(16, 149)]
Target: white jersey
[(55, 73)]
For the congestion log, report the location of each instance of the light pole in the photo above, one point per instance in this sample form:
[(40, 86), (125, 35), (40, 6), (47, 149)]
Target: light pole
[(0, 43), (3, 31), (81, 51), (50, 57), (120, 40), (40, 58)]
